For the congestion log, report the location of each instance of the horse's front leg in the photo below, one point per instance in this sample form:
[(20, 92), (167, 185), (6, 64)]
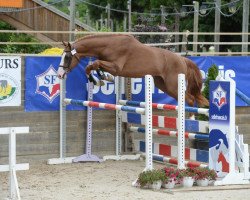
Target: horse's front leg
[(91, 77), (106, 66)]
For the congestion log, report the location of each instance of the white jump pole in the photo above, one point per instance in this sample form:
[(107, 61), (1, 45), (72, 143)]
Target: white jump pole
[(181, 121), (148, 122), (13, 167), (118, 92)]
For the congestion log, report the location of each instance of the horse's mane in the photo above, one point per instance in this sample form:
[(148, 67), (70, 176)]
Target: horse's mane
[(101, 36)]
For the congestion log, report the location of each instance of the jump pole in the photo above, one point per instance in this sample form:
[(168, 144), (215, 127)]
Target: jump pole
[(148, 122), (181, 121), (88, 156), (62, 146), (12, 167)]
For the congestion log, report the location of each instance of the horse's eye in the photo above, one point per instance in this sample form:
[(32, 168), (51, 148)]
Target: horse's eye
[(67, 56)]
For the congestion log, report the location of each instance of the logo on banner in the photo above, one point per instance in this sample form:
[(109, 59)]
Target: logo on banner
[(219, 97), (8, 88), (48, 84)]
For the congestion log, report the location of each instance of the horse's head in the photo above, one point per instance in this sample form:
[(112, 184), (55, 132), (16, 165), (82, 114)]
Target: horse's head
[(69, 60)]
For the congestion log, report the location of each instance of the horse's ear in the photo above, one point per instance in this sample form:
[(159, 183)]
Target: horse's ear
[(69, 45), (64, 43)]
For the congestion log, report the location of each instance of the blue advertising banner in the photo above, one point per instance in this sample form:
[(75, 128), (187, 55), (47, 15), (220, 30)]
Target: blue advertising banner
[(230, 67), (42, 84)]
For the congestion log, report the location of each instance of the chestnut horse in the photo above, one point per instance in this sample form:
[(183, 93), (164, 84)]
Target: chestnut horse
[(123, 55)]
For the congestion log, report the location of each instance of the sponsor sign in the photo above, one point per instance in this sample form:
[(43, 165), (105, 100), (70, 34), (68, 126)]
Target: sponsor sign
[(10, 81), (219, 119), (41, 81)]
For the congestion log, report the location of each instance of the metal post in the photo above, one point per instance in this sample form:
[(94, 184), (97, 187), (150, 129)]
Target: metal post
[(245, 25), (72, 19), (12, 162), (118, 91), (125, 23), (217, 25), (196, 24), (129, 16), (101, 21), (163, 14), (62, 119), (87, 18), (177, 29), (108, 11)]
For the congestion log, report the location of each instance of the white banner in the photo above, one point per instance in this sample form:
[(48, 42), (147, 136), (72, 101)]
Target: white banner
[(10, 81)]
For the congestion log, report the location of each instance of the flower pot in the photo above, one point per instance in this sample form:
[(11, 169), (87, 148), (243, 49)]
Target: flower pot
[(202, 182), (169, 185), (187, 182), (156, 185)]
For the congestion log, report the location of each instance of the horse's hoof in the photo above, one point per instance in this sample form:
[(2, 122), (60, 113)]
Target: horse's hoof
[(101, 74), (101, 83), (92, 79), (109, 78)]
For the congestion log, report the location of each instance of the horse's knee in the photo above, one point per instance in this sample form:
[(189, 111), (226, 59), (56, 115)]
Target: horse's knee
[(190, 99), (88, 69)]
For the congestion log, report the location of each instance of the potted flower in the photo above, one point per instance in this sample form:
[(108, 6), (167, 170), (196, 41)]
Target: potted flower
[(172, 176), (201, 176), (204, 175), (188, 176), (151, 178)]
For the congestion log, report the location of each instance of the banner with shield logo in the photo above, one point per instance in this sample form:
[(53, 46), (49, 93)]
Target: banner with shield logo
[(10, 81)]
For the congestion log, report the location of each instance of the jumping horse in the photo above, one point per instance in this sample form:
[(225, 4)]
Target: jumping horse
[(123, 55)]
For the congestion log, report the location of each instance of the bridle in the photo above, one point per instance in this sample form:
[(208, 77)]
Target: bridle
[(66, 65)]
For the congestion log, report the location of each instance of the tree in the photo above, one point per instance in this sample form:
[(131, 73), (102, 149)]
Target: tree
[(14, 37)]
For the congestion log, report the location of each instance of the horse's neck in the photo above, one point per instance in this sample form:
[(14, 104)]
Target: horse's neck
[(90, 46)]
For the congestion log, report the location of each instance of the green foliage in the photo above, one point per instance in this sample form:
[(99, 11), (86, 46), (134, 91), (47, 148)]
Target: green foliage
[(150, 176), (14, 37), (205, 173), (188, 172), (171, 173), (23, 48), (211, 75), (105, 29)]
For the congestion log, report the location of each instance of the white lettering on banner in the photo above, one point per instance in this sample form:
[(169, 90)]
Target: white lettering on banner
[(218, 117), (108, 88), (136, 85)]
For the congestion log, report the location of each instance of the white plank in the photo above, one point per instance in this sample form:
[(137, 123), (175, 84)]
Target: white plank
[(18, 130), (22, 166)]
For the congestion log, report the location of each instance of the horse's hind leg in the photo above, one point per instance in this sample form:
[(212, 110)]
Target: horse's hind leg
[(159, 83), (190, 101)]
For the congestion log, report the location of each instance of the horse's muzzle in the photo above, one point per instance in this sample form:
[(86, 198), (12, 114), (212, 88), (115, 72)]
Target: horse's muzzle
[(61, 73)]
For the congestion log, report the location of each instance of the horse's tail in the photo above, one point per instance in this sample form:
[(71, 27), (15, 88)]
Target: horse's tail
[(194, 84)]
